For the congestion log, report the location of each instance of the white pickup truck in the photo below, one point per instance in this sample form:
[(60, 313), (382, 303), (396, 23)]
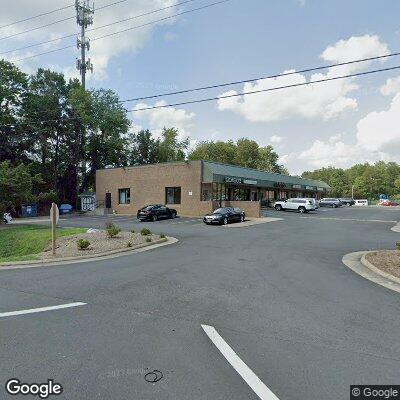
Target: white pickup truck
[(296, 204)]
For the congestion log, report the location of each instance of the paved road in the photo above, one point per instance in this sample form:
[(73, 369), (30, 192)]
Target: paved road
[(277, 293)]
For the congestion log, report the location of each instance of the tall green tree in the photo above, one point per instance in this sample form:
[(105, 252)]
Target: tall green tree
[(171, 148), (144, 148), (13, 90), (219, 151)]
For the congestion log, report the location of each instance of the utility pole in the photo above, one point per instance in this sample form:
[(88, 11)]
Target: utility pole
[(84, 18)]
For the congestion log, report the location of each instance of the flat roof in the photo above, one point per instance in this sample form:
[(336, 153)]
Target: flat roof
[(212, 168)]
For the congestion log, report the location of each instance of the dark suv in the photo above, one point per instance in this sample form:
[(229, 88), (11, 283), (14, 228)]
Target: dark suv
[(334, 203), (154, 212), (347, 202)]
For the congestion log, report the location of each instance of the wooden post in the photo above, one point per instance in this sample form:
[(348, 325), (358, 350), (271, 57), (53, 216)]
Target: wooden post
[(53, 227)]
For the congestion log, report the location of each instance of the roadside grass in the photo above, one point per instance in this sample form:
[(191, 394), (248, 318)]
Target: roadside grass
[(24, 242)]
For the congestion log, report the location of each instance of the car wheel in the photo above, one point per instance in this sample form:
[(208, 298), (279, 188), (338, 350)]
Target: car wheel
[(302, 210), (335, 206), (225, 221), (348, 205), (278, 207), (154, 218), (242, 218)]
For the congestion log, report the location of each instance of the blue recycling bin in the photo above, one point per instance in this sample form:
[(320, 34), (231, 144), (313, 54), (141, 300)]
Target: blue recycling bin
[(29, 210)]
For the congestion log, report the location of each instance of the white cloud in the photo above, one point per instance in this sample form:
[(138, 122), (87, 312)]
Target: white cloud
[(101, 51), (276, 139), (165, 117), (392, 86), (331, 152), (377, 138), (324, 100), (381, 130)]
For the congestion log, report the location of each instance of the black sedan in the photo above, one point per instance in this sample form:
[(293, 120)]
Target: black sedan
[(155, 212), (224, 216)]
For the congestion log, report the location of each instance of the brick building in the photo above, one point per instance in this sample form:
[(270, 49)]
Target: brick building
[(195, 188)]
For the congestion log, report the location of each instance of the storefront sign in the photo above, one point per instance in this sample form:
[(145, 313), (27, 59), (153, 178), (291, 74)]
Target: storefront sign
[(320, 189), (249, 182), (310, 188), (280, 184), (230, 179), (296, 186)]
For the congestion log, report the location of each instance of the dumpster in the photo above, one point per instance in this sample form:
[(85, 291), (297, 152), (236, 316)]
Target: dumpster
[(29, 210)]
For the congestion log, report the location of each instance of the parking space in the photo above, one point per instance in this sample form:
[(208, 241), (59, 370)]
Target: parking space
[(343, 213)]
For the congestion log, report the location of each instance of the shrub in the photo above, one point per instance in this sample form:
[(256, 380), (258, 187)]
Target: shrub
[(398, 245), (129, 244), (162, 236), (148, 239), (112, 229), (82, 244), (145, 232)]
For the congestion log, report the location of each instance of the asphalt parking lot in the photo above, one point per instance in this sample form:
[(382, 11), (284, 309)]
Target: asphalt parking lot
[(277, 293)]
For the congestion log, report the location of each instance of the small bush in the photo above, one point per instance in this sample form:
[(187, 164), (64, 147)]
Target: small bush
[(112, 229), (82, 244), (129, 244), (162, 236), (398, 245), (148, 239), (145, 232)]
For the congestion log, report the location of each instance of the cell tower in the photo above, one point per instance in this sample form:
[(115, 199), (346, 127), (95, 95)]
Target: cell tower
[(84, 18)]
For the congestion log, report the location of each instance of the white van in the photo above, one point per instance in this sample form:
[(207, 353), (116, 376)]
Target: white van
[(361, 203)]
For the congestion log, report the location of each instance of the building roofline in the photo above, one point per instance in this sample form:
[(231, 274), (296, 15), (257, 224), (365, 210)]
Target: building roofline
[(259, 170)]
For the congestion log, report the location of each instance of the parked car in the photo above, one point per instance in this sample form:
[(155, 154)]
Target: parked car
[(361, 203), (154, 212), (347, 202), (65, 209), (389, 203), (224, 216), (334, 203), (314, 201), (296, 204), (7, 218)]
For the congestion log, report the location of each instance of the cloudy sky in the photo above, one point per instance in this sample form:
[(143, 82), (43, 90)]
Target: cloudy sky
[(337, 123)]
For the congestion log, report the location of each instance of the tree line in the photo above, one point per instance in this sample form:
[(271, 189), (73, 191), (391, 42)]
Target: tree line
[(366, 181), (54, 135)]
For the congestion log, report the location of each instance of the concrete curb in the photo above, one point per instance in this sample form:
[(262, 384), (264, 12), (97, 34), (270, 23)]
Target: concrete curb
[(94, 257), (353, 261), (377, 271)]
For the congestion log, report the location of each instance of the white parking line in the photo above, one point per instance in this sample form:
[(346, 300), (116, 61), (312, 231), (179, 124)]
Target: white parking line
[(42, 309), (352, 219), (241, 368)]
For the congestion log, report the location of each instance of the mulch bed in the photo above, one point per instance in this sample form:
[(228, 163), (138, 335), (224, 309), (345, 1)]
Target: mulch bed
[(99, 243), (386, 260)]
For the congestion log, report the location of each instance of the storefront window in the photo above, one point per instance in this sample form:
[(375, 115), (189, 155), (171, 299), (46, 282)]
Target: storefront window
[(124, 196), (173, 195)]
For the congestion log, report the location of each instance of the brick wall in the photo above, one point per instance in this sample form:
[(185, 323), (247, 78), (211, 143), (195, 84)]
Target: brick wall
[(147, 185)]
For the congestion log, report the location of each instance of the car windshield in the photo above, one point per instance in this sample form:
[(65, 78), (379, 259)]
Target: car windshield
[(221, 210), (148, 208)]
